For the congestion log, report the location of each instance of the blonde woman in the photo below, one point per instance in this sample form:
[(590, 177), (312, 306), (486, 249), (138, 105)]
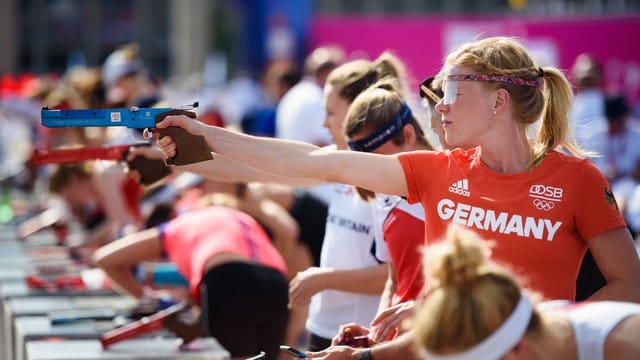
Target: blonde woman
[(475, 309)]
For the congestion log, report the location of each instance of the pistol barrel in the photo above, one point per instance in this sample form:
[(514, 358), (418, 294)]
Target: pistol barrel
[(138, 118)]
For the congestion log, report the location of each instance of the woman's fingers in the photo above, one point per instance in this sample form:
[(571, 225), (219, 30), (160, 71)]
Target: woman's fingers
[(387, 327), (182, 121), (168, 147), (171, 120), (382, 316), (295, 293)]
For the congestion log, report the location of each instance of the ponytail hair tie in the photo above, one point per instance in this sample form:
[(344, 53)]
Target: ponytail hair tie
[(540, 72)]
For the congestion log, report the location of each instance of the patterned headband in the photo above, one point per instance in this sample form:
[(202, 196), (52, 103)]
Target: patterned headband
[(537, 83)]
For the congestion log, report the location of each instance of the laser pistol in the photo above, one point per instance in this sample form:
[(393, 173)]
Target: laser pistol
[(189, 148), (177, 319), (151, 170)]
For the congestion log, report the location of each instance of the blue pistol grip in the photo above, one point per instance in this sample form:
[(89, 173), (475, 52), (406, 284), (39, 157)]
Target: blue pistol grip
[(138, 118)]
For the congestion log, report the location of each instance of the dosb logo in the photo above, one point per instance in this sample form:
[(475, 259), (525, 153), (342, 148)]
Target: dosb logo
[(545, 197), (546, 192)]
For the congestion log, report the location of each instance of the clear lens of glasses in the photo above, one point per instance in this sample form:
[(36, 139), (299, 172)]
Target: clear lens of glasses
[(450, 91)]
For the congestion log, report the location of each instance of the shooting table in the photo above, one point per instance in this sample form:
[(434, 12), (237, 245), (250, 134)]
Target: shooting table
[(147, 348)]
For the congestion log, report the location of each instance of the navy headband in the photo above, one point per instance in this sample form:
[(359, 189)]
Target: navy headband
[(386, 132)]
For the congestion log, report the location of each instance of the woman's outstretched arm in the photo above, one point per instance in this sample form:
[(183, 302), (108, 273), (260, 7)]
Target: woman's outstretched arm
[(379, 173), (224, 169)]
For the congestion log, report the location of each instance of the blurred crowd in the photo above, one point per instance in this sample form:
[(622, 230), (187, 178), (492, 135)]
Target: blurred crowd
[(604, 123), (107, 201)]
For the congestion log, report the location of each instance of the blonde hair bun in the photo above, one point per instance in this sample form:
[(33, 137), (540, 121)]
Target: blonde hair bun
[(459, 260)]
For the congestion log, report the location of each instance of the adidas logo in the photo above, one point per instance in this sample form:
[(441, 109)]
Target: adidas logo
[(460, 187)]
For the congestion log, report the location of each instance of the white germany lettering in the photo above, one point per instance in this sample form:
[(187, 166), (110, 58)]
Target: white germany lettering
[(501, 222)]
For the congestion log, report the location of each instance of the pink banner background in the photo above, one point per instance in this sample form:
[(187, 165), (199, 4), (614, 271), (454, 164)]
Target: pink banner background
[(423, 42)]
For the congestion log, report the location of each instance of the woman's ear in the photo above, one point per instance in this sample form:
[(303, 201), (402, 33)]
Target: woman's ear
[(409, 134), (501, 101)]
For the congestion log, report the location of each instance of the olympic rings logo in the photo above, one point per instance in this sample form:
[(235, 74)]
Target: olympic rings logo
[(543, 204)]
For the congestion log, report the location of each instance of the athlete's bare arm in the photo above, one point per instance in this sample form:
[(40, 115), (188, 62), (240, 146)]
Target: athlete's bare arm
[(624, 339), (118, 257), (224, 169), (402, 347), (618, 261), (369, 280), (390, 287), (379, 173)]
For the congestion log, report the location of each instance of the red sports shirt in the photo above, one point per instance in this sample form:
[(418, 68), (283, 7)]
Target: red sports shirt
[(539, 219), (403, 231)]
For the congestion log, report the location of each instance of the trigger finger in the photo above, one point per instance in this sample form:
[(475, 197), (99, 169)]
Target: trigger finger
[(149, 133)]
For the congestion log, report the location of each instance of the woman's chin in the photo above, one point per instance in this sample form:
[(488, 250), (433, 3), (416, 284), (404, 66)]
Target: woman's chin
[(452, 140)]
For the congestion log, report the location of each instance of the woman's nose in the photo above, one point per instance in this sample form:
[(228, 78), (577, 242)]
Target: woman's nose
[(441, 107)]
